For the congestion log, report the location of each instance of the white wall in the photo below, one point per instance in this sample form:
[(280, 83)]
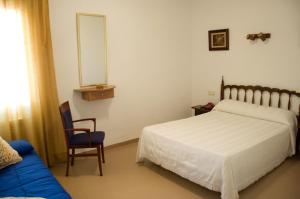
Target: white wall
[(274, 63), (159, 60), (149, 59)]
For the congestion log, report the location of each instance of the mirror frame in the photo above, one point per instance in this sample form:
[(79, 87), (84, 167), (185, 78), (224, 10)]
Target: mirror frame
[(79, 48)]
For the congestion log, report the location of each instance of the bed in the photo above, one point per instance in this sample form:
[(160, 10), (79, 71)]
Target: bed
[(230, 147)]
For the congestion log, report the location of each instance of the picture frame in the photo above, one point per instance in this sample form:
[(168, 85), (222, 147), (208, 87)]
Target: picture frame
[(218, 39)]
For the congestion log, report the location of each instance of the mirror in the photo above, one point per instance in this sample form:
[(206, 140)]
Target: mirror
[(91, 41)]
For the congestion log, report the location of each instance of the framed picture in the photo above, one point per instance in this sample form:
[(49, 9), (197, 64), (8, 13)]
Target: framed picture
[(218, 39)]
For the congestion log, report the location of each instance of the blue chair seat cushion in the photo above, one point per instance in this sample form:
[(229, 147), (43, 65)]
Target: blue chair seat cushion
[(83, 139)]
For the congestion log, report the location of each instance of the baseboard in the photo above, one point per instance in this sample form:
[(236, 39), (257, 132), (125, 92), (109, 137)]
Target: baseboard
[(89, 150), (122, 143)]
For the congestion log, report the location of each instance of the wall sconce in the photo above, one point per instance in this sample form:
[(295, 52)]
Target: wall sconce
[(262, 36)]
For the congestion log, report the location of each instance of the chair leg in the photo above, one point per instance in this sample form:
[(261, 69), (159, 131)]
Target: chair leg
[(99, 160), (68, 158), (73, 153), (102, 152)]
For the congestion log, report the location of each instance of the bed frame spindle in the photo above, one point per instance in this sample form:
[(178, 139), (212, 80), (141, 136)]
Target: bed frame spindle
[(261, 97), (289, 104)]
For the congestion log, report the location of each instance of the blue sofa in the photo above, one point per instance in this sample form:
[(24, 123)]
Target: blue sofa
[(30, 177)]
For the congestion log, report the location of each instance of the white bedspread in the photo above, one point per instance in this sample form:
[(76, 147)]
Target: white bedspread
[(222, 151)]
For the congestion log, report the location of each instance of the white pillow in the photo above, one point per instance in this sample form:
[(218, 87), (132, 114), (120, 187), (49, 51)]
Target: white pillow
[(8, 155), (261, 112)]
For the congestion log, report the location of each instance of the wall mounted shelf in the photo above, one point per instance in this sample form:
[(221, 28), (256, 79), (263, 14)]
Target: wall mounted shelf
[(96, 92)]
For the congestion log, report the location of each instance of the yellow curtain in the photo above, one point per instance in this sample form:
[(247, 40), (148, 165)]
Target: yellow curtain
[(38, 121)]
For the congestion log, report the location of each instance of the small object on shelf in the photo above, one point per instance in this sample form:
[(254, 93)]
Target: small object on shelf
[(262, 36), (201, 109), (96, 92), (100, 86)]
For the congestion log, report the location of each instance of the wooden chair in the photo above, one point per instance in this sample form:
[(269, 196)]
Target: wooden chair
[(85, 139)]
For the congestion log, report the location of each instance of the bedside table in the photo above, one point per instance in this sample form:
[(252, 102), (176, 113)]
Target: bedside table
[(200, 109)]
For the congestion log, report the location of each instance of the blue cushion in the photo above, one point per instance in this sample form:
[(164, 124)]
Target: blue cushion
[(21, 146), (83, 139), (30, 178)]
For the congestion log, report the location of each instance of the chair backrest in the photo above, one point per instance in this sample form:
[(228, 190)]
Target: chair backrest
[(66, 116)]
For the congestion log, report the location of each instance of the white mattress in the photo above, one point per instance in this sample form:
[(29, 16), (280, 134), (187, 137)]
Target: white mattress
[(222, 151)]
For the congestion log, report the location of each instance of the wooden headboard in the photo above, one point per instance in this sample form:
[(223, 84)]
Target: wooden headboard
[(261, 90)]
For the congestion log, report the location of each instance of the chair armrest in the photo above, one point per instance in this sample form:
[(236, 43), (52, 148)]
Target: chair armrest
[(87, 119), (79, 129)]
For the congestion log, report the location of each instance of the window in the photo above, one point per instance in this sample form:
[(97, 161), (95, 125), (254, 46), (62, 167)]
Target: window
[(14, 84)]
